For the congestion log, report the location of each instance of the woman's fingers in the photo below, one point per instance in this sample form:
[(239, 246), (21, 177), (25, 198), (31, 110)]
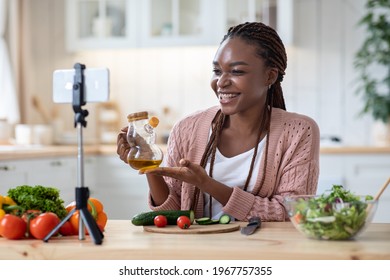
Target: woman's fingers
[(123, 147), (186, 171)]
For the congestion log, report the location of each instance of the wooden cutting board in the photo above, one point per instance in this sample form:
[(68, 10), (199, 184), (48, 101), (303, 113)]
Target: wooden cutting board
[(194, 229)]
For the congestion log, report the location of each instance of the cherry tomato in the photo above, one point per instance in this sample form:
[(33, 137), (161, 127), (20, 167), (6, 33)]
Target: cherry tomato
[(160, 221), (183, 222), (42, 225), (12, 227)]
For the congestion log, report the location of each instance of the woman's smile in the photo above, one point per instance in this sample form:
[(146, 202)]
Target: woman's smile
[(225, 98)]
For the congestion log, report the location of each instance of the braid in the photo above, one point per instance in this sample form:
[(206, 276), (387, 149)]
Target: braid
[(270, 48), (210, 150)]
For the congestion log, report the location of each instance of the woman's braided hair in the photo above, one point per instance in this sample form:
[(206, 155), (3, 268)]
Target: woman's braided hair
[(271, 49)]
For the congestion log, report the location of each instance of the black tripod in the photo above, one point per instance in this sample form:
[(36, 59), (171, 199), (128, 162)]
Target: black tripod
[(82, 193)]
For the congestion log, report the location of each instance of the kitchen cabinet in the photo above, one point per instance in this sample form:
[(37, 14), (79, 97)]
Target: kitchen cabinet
[(276, 13), (361, 173), (123, 191), (59, 172), (177, 22), (238, 11), (11, 174), (92, 24)]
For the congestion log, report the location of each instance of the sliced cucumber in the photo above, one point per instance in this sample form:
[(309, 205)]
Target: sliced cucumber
[(203, 221), (224, 219)]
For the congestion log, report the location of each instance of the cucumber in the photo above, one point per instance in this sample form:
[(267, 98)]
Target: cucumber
[(206, 221), (147, 218), (224, 219)]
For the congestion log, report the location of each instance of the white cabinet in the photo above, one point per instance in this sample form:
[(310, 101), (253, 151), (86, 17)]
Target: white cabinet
[(93, 24), (11, 174), (123, 191), (238, 11), (361, 173), (60, 173), (177, 22)]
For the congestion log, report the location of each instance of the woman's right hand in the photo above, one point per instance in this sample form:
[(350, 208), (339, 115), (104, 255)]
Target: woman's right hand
[(123, 146)]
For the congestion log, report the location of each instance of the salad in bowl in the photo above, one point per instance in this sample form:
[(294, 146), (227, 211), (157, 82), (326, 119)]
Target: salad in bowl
[(334, 215)]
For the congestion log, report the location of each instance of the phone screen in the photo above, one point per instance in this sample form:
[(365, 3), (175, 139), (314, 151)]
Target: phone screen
[(96, 85)]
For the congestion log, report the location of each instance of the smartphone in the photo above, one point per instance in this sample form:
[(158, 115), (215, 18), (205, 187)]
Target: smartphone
[(96, 85)]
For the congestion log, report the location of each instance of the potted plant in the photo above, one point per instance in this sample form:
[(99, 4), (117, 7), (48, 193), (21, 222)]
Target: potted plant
[(373, 61)]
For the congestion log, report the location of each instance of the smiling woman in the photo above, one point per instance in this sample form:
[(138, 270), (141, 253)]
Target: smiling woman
[(244, 156)]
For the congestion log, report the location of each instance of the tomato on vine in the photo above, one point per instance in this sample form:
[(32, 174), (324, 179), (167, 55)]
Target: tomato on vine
[(12, 227), (43, 224)]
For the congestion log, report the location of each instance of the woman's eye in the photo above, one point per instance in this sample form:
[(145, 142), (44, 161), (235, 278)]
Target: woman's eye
[(216, 71), (237, 72)]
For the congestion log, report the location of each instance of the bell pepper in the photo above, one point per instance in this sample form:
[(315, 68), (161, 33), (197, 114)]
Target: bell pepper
[(8, 205), (95, 207), (2, 213)]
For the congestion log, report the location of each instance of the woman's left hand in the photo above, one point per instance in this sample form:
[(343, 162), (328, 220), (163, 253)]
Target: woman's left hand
[(188, 172)]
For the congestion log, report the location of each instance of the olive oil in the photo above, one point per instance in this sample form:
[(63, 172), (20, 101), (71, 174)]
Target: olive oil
[(144, 164), (141, 135)]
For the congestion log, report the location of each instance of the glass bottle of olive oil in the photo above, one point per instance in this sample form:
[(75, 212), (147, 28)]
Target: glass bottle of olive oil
[(144, 152)]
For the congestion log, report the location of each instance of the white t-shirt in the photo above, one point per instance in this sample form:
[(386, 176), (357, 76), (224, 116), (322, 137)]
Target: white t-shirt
[(233, 172)]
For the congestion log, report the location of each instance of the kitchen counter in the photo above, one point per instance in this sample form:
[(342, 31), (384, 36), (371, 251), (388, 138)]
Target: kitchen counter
[(29, 152), (275, 240), (35, 151)]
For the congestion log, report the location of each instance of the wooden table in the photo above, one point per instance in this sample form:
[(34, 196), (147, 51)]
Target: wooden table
[(274, 241)]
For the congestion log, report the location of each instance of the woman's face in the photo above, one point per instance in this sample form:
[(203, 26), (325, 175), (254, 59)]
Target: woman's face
[(240, 78)]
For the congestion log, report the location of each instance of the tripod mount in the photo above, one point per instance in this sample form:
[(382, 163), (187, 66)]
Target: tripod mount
[(81, 192)]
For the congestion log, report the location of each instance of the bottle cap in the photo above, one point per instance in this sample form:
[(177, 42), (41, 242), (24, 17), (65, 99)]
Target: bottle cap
[(154, 121), (137, 116)]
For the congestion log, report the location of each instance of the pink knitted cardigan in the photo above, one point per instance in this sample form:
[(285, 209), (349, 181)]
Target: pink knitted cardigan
[(292, 168)]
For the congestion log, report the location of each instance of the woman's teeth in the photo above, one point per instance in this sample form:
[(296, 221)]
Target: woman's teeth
[(227, 95)]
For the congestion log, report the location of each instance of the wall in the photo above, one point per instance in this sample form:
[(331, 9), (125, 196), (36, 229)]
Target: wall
[(320, 80)]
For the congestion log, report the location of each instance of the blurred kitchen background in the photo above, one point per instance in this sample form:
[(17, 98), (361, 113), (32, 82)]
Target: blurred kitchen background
[(160, 52)]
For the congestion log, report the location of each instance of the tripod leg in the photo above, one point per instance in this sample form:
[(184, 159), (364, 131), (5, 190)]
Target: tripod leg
[(91, 225), (54, 230)]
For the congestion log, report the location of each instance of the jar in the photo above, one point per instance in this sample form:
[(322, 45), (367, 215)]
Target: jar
[(144, 152)]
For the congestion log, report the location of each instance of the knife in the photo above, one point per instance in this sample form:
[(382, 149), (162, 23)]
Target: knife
[(250, 228)]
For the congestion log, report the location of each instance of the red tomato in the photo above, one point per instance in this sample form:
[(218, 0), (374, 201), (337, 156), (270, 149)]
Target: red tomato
[(160, 221), (12, 227), (183, 222), (42, 225)]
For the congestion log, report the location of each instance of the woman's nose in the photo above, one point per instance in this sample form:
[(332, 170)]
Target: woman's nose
[(223, 81)]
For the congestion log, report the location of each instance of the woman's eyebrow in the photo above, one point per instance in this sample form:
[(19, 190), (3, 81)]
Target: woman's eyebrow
[(234, 63)]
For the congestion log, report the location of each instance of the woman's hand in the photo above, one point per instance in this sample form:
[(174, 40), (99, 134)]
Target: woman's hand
[(186, 171), (123, 146)]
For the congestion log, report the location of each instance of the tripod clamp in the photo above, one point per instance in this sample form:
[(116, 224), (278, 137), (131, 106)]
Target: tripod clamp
[(79, 95)]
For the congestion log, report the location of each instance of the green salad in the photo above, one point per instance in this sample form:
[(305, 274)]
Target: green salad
[(334, 215)]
